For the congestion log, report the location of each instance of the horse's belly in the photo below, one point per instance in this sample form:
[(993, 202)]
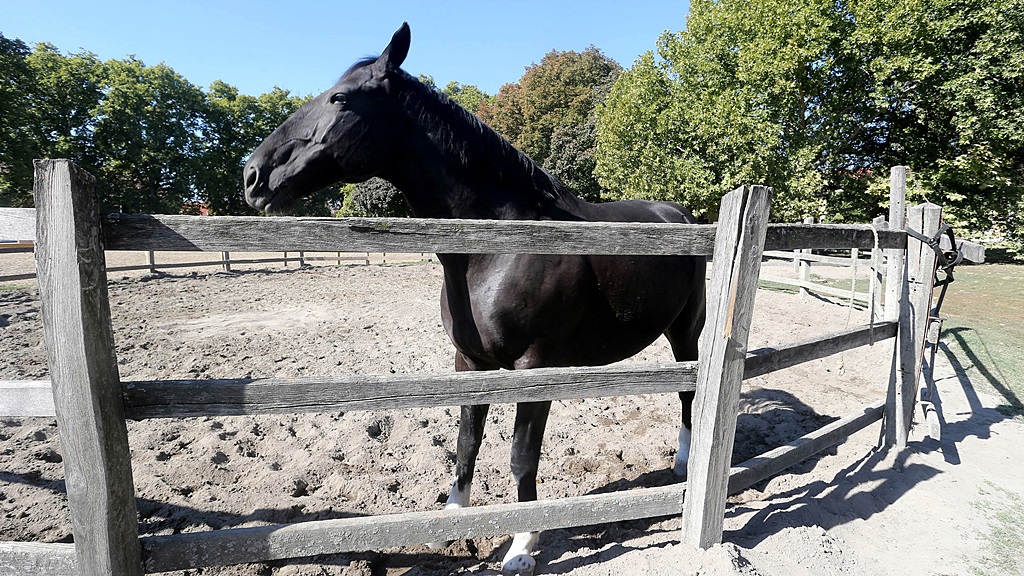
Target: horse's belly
[(566, 311)]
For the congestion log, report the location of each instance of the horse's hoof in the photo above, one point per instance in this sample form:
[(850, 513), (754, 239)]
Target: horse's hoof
[(679, 469), (521, 565), (439, 545), (517, 561)]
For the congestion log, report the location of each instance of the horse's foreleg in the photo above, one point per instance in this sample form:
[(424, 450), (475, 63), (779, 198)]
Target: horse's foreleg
[(531, 418), (683, 453), (471, 433)]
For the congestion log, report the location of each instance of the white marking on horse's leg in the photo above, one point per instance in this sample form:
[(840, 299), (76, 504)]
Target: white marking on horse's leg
[(683, 455), (518, 560), (456, 499)]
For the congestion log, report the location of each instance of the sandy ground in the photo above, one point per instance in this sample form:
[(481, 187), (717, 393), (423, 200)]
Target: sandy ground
[(938, 508)]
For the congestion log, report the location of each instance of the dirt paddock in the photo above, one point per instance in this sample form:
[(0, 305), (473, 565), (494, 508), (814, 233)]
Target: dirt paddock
[(853, 510)]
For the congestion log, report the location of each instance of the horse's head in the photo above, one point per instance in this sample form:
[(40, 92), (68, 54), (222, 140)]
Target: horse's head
[(347, 134)]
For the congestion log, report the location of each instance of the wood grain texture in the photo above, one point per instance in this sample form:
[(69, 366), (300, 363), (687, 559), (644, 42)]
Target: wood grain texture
[(260, 234), (279, 234), (895, 291), (26, 398), (833, 236), (915, 309), (742, 224), (233, 397), (184, 398), (238, 545), (877, 273), (971, 251), (17, 224), (894, 272), (766, 360), (32, 559), (83, 370)]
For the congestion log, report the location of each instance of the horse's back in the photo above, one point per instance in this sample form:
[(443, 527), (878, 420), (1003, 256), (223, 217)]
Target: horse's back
[(637, 211)]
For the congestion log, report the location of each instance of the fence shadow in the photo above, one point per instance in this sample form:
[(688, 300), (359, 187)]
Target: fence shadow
[(878, 479), (994, 380)]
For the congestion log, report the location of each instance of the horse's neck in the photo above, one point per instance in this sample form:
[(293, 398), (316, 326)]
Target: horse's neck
[(464, 170), (446, 195)]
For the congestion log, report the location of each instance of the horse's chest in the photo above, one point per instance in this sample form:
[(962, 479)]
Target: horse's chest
[(501, 312)]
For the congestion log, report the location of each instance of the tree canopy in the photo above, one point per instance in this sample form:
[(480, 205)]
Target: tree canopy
[(155, 142), (549, 113), (818, 99)]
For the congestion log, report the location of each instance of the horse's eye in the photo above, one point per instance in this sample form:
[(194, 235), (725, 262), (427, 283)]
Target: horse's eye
[(339, 98)]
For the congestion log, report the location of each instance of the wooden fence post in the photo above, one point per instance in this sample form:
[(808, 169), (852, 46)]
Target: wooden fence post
[(897, 221), (737, 260), (894, 284), (83, 370), (226, 259), (878, 223), (915, 309), (151, 260), (805, 265)]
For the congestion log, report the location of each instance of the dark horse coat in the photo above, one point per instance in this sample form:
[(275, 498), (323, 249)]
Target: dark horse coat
[(501, 311)]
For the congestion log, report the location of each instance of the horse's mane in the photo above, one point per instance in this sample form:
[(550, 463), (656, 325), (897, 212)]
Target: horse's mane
[(469, 141)]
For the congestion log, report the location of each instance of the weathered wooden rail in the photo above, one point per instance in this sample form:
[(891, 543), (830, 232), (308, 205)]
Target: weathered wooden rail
[(91, 402), (226, 261)]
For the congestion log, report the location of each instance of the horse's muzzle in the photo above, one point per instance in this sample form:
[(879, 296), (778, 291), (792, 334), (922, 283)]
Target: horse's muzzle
[(257, 192)]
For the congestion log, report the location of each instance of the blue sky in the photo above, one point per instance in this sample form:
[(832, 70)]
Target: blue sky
[(305, 46)]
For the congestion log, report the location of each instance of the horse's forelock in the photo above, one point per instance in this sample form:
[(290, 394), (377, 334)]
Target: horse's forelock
[(361, 63)]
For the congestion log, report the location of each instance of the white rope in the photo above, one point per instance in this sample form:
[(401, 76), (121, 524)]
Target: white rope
[(871, 295), (871, 287)]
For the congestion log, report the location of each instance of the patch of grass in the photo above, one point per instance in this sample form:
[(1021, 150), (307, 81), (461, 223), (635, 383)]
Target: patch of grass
[(776, 287), (1004, 542), (862, 285), (984, 328), (13, 287)]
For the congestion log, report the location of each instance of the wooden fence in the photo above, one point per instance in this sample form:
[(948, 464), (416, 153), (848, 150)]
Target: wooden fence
[(91, 402), (227, 260)]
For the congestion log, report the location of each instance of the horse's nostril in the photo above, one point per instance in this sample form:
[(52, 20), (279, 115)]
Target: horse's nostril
[(252, 177)]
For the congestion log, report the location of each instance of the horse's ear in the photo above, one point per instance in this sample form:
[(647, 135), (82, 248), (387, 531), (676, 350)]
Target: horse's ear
[(397, 50)]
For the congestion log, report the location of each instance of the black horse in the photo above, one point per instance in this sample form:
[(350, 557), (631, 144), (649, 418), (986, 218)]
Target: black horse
[(501, 311)]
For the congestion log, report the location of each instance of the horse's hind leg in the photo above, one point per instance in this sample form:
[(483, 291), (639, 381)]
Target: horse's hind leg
[(684, 335), (531, 419)]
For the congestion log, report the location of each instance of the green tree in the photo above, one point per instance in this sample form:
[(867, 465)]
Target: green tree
[(818, 100), (66, 94), (374, 198), (949, 84), (750, 92), (16, 137), (560, 91), (234, 124), (428, 81), (148, 138), (572, 158), (230, 135), (549, 114), (469, 96)]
